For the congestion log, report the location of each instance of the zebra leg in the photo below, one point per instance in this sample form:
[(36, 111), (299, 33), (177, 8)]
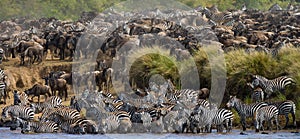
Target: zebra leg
[(277, 123), (294, 119), (66, 94), (286, 121), (39, 98), (243, 122)]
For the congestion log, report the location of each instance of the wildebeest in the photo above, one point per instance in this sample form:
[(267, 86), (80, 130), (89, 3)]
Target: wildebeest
[(30, 49), (57, 84), (38, 90), (104, 78)]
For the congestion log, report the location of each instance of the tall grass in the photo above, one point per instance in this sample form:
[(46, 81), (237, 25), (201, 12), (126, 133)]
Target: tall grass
[(238, 66)]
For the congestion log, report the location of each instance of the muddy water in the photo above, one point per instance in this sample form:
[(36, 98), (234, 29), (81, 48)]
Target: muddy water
[(5, 133)]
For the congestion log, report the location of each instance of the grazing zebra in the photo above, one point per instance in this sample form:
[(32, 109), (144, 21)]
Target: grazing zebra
[(265, 114), (223, 117), (244, 110), (16, 111), (257, 95), (286, 107), (270, 86), (38, 127)]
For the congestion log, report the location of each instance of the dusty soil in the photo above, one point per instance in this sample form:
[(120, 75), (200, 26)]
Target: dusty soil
[(24, 77)]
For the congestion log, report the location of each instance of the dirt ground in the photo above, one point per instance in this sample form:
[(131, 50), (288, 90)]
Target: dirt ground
[(24, 77)]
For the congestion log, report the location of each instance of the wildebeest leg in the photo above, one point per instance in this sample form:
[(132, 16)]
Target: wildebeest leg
[(39, 98), (66, 94)]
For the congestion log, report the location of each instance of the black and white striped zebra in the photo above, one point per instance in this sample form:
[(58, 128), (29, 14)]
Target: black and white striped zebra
[(223, 117), (286, 107), (38, 126), (257, 95), (20, 98), (266, 113), (16, 111), (271, 86), (217, 17), (244, 110), (51, 102), (3, 93), (64, 112), (2, 55), (201, 119)]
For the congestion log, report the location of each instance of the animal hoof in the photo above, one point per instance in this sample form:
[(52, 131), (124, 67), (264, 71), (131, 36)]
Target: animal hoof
[(264, 133)]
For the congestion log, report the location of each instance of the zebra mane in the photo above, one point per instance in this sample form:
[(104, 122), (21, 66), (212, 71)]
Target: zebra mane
[(259, 77)]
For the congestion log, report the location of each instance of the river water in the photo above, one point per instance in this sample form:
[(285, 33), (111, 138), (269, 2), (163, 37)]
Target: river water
[(5, 133)]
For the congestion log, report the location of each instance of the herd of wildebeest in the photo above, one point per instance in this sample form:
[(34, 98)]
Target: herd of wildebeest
[(160, 108)]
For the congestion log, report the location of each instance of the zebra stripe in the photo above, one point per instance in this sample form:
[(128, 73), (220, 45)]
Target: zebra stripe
[(3, 93), (38, 127), (217, 17), (16, 111), (65, 112), (270, 86), (2, 74), (244, 110), (201, 119), (223, 116), (286, 107), (266, 114), (109, 124), (49, 103)]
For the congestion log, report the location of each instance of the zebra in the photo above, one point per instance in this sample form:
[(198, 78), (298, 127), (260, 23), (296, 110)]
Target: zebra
[(270, 86), (266, 114), (109, 124), (221, 117), (73, 126), (2, 55), (65, 112), (174, 95), (38, 127), (286, 107), (217, 17), (257, 95), (74, 104), (16, 111), (51, 102), (201, 119), (244, 110), (3, 91)]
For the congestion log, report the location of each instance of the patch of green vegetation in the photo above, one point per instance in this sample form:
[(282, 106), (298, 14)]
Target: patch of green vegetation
[(71, 9)]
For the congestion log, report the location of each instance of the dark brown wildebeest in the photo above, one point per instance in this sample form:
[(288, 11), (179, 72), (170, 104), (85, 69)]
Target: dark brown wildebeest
[(57, 84), (104, 78), (38, 90)]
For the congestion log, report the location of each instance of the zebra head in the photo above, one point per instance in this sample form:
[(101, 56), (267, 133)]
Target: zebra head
[(232, 102), (25, 125)]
